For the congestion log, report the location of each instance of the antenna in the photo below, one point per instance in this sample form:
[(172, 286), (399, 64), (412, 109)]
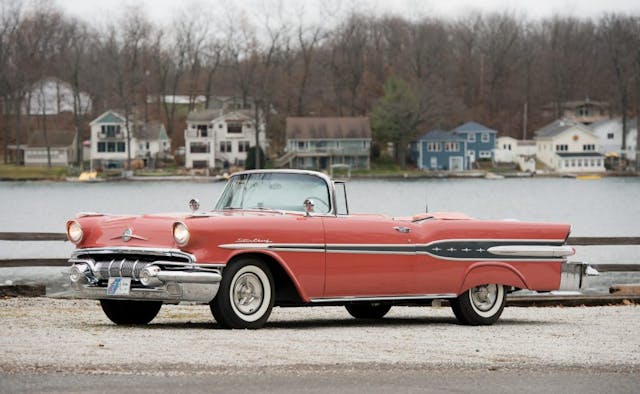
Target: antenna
[(426, 199)]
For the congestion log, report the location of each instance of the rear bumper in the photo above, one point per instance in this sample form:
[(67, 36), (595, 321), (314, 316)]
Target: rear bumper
[(575, 276)]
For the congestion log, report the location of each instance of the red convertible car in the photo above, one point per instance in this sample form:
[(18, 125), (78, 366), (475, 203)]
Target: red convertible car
[(287, 238)]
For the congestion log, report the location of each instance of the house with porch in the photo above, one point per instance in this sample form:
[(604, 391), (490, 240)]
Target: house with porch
[(568, 146), (442, 150), (481, 141), (221, 137), (62, 145), (109, 148), (321, 142)]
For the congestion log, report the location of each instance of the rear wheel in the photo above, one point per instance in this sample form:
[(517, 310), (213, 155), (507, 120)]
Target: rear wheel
[(246, 295), (373, 310), (130, 312), (480, 305)]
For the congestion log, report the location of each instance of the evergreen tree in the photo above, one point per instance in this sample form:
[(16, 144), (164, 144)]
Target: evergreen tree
[(396, 116)]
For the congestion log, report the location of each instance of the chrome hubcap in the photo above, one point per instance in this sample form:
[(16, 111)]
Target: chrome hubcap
[(484, 297), (248, 293)]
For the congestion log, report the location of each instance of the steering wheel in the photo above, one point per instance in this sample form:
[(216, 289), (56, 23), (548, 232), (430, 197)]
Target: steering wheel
[(317, 200)]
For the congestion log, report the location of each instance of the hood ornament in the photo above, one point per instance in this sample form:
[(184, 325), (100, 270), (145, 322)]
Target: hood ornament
[(128, 235)]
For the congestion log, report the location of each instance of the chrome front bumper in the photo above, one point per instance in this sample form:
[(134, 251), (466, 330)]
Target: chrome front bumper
[(152, 276), (575, 276)]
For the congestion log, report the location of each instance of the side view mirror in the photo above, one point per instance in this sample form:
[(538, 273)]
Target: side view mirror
[(194, 204)]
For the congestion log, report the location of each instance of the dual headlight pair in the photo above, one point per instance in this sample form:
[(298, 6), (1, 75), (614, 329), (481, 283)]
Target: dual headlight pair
[(180, 233)]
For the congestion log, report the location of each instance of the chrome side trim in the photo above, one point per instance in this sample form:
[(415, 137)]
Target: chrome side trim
[(313, 248), (384, 298), (532, 250), (488, 253), (134, 250)]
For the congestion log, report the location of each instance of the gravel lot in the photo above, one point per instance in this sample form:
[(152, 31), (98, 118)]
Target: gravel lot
[(43, 335)]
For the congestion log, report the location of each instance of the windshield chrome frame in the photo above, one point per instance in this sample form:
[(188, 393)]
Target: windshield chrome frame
[(324, 177)]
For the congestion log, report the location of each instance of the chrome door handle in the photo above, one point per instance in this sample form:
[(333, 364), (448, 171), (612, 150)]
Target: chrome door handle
[(402, 229)]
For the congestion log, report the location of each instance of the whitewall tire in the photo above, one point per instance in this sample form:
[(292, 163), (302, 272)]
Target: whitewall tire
[(246, 295)]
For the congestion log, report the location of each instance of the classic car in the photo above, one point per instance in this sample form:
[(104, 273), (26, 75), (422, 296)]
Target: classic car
[(286, 238)]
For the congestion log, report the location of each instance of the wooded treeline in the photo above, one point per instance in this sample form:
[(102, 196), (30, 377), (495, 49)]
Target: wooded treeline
[(482, 67)]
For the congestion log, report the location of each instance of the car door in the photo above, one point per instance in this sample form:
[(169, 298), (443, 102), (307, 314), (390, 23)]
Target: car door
[(369, 256)]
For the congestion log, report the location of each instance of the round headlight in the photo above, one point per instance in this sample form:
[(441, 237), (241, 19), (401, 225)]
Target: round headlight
[(74, 232), (181, 234)]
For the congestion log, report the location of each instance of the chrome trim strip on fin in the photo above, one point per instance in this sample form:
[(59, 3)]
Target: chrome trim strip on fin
[(532, 250)]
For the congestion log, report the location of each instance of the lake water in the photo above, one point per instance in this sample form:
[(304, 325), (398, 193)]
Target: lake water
[(606, 207)]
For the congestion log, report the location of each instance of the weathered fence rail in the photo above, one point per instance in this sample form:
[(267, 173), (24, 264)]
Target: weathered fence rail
[(573, 241)]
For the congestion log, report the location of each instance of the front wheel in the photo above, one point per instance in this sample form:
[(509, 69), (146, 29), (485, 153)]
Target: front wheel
[(480, 305), (371, 310), (246, 295), (127, 312)]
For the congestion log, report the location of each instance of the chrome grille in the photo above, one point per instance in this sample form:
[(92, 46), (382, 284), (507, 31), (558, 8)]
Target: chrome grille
[(119, 268)]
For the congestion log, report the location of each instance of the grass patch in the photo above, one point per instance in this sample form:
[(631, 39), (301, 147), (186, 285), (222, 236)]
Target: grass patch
[(10, 172)]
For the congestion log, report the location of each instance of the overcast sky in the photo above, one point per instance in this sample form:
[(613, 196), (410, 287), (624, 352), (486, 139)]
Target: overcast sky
[(162, 11)]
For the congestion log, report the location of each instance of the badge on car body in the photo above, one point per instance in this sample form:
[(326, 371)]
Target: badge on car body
[(126, 235)]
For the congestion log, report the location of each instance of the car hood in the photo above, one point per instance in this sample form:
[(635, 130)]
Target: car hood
[(129, 230)]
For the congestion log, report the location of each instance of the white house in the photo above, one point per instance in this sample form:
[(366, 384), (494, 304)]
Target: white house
[(218, 138), (52, 96), (109, 140), (62, 148), (568, 146), (609, 133), (512, 150)]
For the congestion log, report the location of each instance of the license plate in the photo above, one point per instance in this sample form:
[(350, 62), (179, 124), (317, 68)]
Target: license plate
[(119, 286)]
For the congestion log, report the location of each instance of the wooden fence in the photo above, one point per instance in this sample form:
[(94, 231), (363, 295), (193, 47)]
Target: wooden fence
[(573, 241)]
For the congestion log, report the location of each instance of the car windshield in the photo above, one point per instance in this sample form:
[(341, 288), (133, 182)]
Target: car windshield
[(273, 190)]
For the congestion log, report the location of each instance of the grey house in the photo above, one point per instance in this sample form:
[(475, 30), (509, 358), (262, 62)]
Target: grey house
[(318, 143)]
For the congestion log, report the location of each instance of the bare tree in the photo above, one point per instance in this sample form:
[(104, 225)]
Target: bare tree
[(126, 48), (616, 34), (10, 16)]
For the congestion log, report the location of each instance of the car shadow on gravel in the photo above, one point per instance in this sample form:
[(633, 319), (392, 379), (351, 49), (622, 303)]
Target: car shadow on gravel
[(332, 323)]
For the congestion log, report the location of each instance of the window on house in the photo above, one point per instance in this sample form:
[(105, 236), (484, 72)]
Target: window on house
[(111, 147), (433, 147), (234, 127), (102, 147), (451, 147), (110, 131), (484, 154), (225, 146), (300, 144), (243, 146), (199, 147), (589, 147), (609, 136), (471, 137), (120, 147), (484, 137), (562, 147)]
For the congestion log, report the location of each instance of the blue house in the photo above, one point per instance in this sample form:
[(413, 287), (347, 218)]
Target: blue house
[(442, 150), (480, 139)]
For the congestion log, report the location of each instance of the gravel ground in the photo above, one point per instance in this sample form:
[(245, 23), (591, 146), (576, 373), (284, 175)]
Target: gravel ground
[(45, 335)]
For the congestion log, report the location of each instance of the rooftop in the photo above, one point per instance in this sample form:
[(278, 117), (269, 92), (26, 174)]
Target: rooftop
[(328, 128)]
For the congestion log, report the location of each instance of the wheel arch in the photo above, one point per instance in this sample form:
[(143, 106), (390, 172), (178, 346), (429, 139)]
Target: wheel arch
[(498, 272), (287, 289)]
